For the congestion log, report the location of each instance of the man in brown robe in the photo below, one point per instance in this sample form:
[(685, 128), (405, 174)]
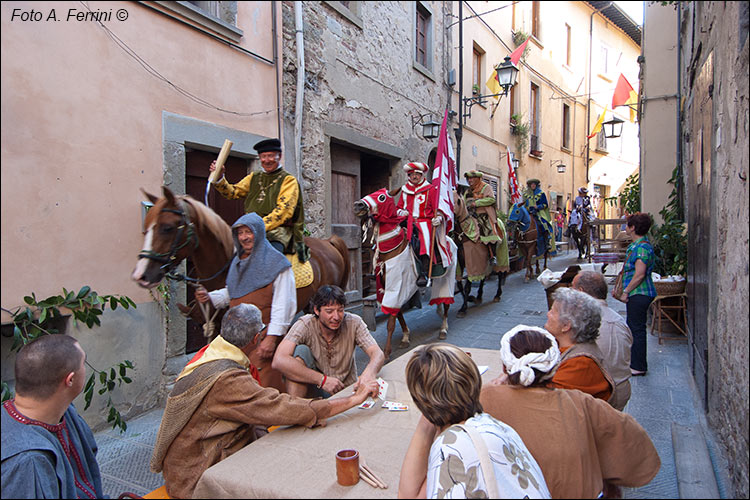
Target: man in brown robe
[(217, 406)]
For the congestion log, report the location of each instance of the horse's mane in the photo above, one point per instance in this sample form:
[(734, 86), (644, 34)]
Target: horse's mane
[(212, 222)]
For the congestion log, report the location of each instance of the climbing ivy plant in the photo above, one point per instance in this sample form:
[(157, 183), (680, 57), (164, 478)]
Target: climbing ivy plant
[(44, 317), (670, 238)]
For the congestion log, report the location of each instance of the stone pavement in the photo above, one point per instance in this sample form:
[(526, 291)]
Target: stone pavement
[(665, 396)]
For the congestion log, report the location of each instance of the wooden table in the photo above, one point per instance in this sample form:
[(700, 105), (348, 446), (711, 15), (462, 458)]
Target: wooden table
[(297, 462)]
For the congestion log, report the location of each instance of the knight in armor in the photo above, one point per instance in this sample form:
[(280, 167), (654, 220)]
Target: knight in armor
[(274, 194), (416, 204), (536, 203), (480, 202)]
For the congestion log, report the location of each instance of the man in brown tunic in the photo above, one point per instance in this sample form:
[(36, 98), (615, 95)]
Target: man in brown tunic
[(217, 406), (318, 351)]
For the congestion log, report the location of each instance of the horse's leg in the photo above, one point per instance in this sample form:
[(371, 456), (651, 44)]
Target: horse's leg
[(527, 257), (499, 293), (444, 327), (405, 329), (480, 292), (389, 327), (465, 288)]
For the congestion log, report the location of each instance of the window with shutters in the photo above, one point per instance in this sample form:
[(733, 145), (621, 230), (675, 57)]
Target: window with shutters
[(566, 127), (423, 39)]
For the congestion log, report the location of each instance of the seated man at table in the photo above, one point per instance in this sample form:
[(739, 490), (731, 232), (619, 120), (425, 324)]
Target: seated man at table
[(217, 406), (615, 338), (317, 355)]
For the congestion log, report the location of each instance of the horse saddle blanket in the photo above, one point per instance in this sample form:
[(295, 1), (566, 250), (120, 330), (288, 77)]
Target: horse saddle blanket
[(303, 272)]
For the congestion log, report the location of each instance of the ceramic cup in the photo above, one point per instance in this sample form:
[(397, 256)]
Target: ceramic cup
[(347, 467)]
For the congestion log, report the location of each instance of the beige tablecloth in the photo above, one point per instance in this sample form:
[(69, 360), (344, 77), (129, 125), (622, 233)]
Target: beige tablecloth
[(297, 462)]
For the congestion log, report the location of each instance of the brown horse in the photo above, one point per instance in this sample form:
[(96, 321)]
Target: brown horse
[(177, 227), (397, 277), (474, 256), (526, 238)]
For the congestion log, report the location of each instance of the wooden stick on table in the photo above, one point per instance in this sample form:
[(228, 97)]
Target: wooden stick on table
[(369, 471), (367, 480)]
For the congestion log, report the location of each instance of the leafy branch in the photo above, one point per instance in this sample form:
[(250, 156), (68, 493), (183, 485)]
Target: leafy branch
[(45, 317)]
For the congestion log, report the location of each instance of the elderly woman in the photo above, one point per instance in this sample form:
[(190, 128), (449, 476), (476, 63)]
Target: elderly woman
[(583, 445), (574, 321), (458, 451), (638, 288)]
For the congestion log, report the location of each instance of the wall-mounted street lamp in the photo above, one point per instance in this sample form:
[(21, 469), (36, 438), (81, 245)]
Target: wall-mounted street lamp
[(430, 127), (560, 166), (507, 73), (613, 128)]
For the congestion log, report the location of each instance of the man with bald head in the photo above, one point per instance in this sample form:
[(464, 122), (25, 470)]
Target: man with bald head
[(614, 338)]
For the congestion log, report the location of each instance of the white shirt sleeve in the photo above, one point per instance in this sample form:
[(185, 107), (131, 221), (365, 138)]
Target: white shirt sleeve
[(284, 305), (219, 298)]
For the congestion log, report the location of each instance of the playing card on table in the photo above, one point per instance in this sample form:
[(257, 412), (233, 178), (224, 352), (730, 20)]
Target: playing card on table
[(367, 404), (398, 407), (482, 369), (383, 388)]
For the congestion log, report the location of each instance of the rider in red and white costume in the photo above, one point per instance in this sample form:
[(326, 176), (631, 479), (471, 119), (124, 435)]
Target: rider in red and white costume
[(415, 203)]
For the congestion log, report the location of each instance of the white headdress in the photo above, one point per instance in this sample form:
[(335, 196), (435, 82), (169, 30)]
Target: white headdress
[(543, 361)]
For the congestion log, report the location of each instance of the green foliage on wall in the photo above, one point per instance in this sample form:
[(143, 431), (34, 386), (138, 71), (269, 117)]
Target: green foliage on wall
[(670, 238), (43, 317)]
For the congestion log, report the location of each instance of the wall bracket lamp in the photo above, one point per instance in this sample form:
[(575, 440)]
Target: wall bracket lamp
[(430, 127), (613, 128), (560, 166), (513, 160), (507, 73)]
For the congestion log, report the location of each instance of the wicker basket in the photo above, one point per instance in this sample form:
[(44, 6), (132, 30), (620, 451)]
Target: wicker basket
[(669, 287)]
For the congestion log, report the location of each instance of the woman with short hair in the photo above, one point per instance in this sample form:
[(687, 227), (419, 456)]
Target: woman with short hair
[(583, 445), (457, 450), (574, 321), (638, 289)]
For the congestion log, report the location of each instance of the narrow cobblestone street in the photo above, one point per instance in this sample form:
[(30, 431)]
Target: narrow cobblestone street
[(666, 396)]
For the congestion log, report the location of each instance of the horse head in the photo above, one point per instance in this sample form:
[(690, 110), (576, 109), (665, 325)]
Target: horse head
[(172, 230), (519, 215), (379, 205)]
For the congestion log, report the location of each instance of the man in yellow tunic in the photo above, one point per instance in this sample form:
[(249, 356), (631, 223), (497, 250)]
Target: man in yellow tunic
[(275, 195)]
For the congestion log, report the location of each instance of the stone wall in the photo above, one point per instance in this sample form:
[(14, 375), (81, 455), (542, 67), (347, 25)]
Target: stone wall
[(721, 29), (359, 75)]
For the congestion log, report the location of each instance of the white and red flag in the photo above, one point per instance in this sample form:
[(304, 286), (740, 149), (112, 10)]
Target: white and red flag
[(444, 180), (515, 193)]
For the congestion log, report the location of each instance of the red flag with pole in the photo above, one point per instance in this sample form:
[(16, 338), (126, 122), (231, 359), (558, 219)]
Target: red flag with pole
[(515, 193), (444, 180)]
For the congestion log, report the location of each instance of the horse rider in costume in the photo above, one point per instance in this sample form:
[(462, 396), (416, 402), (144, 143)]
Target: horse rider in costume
[(480, 201), (416, 204), (536, 203), (583, 202), (275, 195)]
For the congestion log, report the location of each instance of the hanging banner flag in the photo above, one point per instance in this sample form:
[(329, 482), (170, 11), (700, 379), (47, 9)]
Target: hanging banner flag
[(598, 125), (515, 193), (515, 56), (444, 180), (625, 96)]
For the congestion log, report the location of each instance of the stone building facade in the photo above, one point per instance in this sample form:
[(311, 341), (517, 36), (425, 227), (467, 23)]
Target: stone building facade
[(366, 90), (713, 46)]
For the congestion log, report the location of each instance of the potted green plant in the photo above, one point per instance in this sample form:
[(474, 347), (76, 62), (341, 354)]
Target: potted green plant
[(520, 129), (475, 89)]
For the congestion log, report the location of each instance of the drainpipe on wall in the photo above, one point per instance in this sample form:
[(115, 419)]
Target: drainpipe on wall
[(276, 66), (460, 133), (299, 102)]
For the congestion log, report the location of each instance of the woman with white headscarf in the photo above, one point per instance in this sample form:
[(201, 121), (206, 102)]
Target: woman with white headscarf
[(583, 445)]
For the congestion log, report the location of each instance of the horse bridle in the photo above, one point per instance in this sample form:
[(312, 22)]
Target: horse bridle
[(168, 260)]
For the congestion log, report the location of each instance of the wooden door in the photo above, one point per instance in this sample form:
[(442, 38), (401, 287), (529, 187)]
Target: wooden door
[(700, 246), (344, 192), (196, 175)]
